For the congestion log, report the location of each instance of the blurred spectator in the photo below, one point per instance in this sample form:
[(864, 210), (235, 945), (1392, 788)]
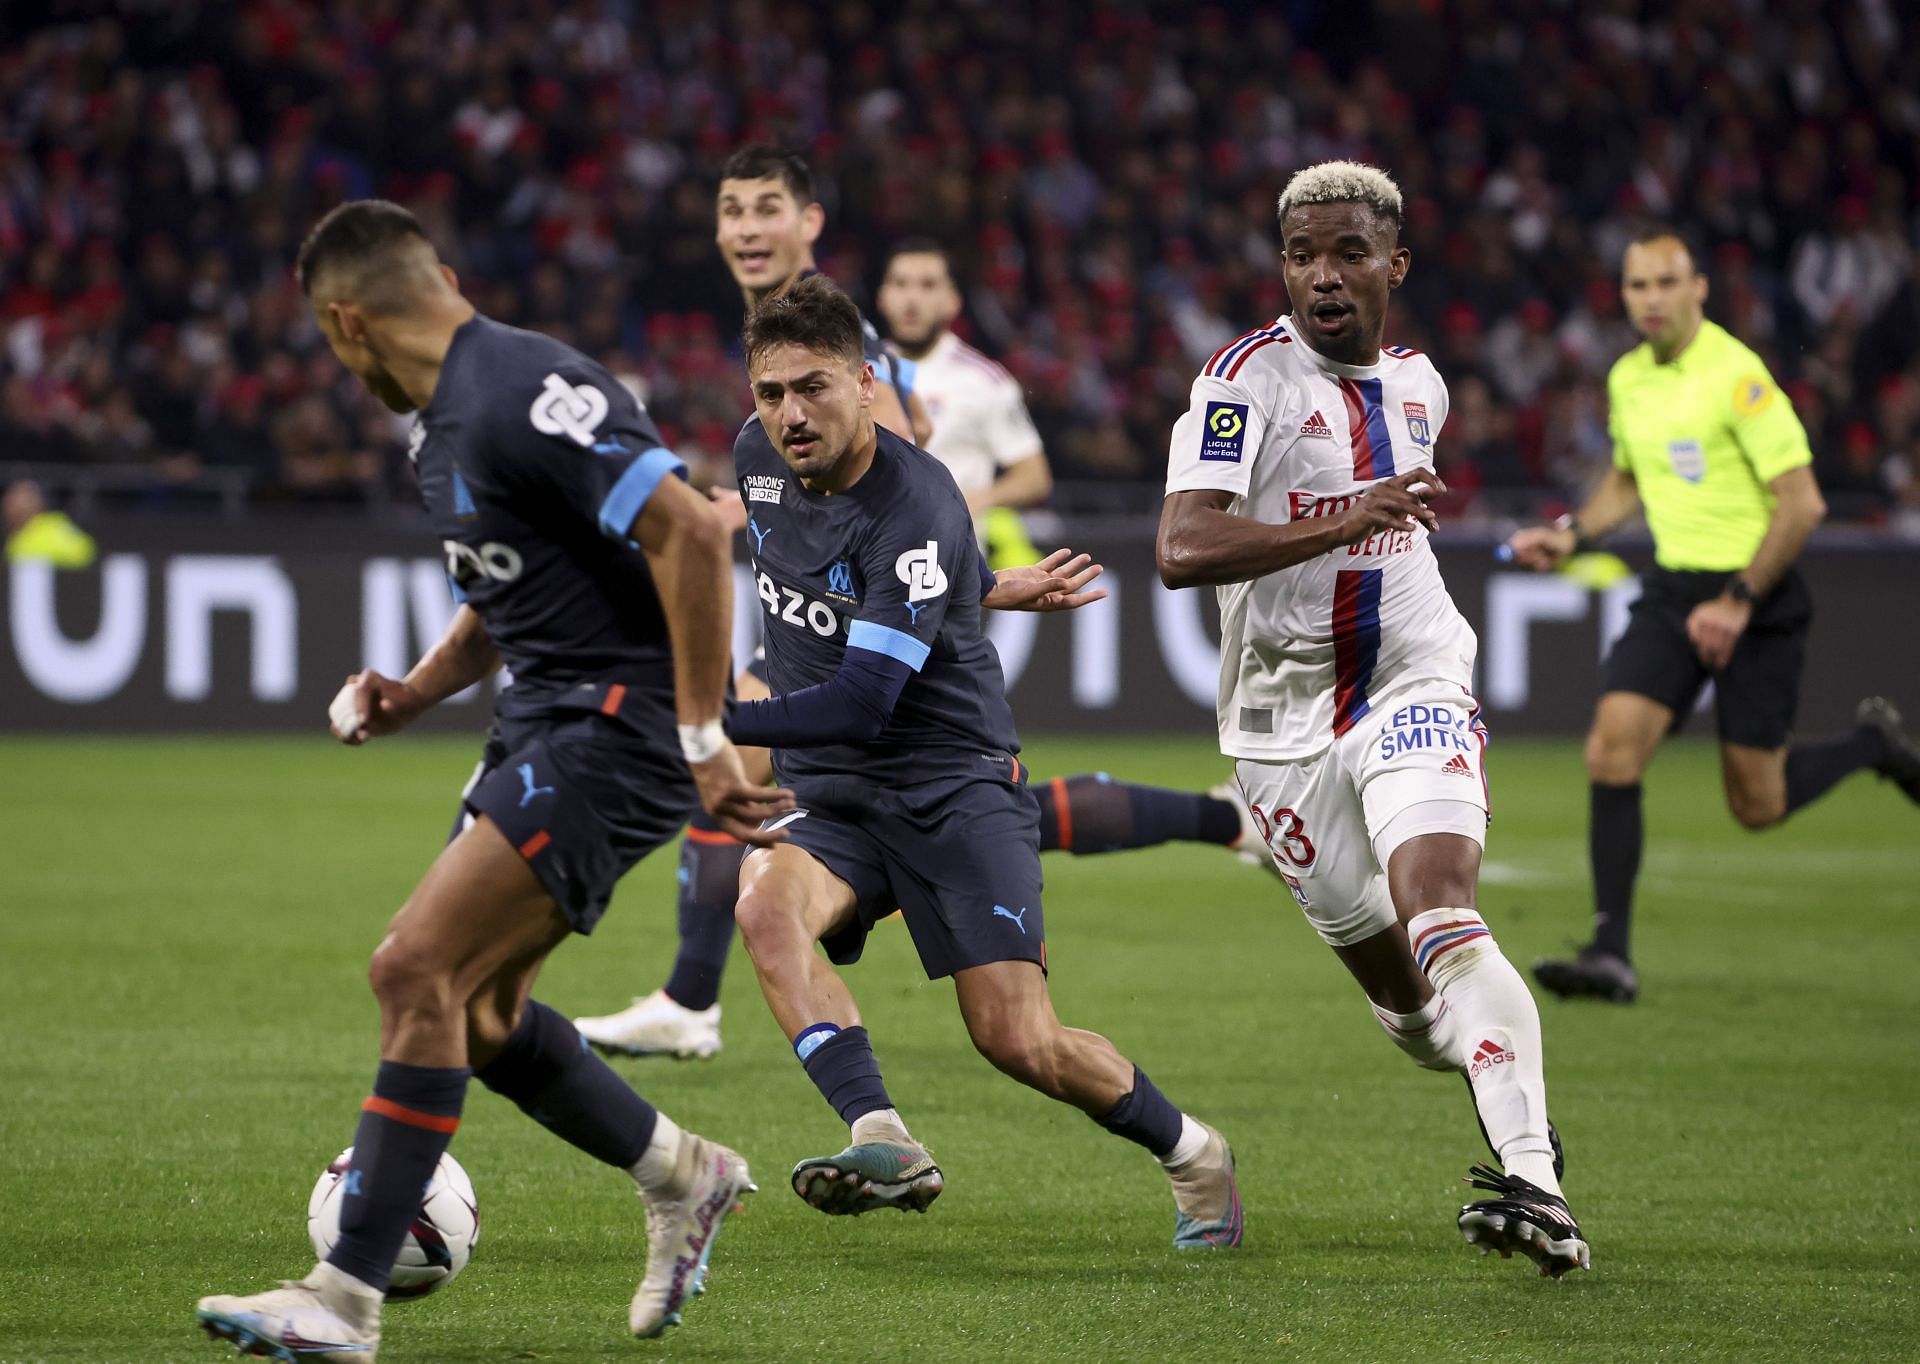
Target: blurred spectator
[(1102, 172), (36, 534)]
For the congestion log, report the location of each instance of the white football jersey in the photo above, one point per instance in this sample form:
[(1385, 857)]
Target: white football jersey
[(1292, 435), (979, 413)]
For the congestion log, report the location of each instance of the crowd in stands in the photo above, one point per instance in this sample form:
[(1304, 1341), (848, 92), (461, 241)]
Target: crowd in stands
[(1104, 174)]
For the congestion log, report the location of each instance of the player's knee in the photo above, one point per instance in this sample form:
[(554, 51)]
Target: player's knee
[(765, 919), (406, 978), (1612, 759), (1754, 810), (488, 1028), (1016, 1051)]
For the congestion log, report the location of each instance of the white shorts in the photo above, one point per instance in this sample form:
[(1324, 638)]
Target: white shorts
[(1413, 765)]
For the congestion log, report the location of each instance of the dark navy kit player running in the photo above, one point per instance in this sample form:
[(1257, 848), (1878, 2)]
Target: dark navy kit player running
[(587, 566), (890, 722)]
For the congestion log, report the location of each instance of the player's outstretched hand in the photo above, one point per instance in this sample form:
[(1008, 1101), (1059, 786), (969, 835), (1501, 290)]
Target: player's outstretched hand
[(1056, 583), (1396, 503), (1541, 548), (738, 804), (732, 508), (369, 706)]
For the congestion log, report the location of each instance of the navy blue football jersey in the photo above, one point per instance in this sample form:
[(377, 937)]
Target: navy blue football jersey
[(533, 462), (889, 565)]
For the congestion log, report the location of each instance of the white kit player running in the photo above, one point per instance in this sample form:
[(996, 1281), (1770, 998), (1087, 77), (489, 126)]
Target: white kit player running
[(1298, 485)]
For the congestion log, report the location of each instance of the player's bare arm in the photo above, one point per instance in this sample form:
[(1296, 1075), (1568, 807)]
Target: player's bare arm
[(1716, 626), (370, 706), (1023, 483), (888, 412), (1202, 544), (690, 551), (919, 420), (1547, 547)]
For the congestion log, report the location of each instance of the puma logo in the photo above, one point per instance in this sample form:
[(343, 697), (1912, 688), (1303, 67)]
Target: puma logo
[(759, 536), (526, 777), (1003, 912)]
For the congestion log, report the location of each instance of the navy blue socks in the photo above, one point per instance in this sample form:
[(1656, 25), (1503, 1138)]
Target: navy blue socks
[(404, 1130), (547, 1069), (1093, 813), (1145, 1116), (709, 886), (840, 1063)]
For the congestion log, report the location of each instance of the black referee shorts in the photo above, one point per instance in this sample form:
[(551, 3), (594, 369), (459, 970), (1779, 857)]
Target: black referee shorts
[(1758, 691)]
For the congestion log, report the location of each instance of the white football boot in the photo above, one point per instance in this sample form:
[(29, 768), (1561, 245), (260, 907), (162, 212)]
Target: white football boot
[(1251, 846), (656, 1026), (329, 1317), (683, 1222)]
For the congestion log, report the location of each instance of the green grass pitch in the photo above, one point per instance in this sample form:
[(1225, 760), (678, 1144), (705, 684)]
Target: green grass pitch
[(183, 932)]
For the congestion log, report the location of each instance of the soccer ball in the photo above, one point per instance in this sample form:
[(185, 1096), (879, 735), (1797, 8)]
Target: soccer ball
[(439, 1244)]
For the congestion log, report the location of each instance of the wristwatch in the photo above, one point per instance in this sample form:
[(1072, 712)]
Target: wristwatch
[(1741, 591), (1581, 543)]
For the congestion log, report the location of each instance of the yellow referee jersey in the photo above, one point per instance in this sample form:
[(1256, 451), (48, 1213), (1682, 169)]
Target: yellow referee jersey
[(1702, 436)]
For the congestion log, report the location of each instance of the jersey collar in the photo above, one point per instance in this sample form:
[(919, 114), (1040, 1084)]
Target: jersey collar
[(1331, 366)]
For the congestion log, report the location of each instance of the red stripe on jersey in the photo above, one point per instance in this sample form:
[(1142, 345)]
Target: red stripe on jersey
[(1357, 430), (1234, 369)]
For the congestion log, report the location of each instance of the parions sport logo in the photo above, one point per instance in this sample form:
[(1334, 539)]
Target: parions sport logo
[(762, 487)]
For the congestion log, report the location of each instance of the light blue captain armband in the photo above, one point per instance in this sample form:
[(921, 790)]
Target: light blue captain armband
[(905, 372), (633, 488), (895, 644)]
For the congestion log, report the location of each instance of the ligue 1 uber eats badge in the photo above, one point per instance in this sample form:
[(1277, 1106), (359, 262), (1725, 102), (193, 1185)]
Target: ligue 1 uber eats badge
[(1226, 432)]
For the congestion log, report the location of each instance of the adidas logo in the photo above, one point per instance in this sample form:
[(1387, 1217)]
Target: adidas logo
[(1489, 1053), (1316, 425), (1458, 766)]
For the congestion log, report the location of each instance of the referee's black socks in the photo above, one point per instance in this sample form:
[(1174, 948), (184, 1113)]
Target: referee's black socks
[(1615, 835), (1813, 769)]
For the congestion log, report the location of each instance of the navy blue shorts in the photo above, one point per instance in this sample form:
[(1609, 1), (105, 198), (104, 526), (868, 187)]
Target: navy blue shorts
[(957, 853), (583, 797)]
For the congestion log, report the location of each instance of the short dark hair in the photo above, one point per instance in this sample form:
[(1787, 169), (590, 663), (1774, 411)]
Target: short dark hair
[(765, 161), (812, 313), (923, 246), (1653, 230), (356, 235)]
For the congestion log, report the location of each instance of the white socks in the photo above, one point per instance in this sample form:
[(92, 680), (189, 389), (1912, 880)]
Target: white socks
[(883, 1124), (1430, 1034), (1193, 1140), (357, 1303), (654, 1172), (1499, 1029)]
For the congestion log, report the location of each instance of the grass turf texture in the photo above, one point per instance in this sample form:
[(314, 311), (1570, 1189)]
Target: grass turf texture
[(188, 1036)]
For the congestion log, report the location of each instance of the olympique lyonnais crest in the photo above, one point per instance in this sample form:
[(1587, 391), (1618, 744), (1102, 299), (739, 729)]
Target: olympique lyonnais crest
[(1417, 427)]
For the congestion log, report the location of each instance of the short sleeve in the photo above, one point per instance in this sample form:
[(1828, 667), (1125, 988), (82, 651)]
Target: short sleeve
[(1215, 442), (1617, 431), (1765, 426), (1010, 431), (584, 439), (910, 567)]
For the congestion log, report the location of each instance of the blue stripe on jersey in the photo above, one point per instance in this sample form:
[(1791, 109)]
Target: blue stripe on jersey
[(882, 639), (632, 490), (462, 498), (1378, 437), (1225, 362), (1356, 643), (459, 595)]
